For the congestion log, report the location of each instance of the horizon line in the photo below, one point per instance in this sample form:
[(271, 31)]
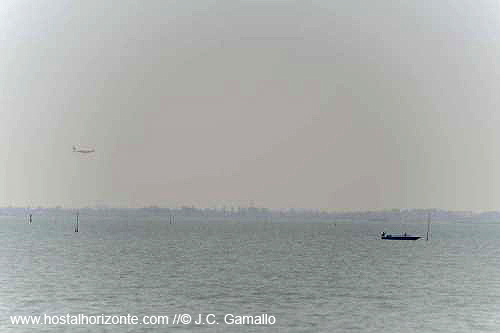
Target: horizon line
[(235, 208)]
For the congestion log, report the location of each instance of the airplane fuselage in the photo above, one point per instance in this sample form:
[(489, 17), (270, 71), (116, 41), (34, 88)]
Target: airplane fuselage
[(83, 151)]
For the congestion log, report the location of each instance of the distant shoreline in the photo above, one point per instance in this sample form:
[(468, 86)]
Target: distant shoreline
[(261, 213)]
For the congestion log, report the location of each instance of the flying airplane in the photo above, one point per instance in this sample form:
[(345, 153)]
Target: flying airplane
[(83, 150)]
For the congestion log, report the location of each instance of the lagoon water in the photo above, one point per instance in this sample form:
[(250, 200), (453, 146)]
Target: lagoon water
[(311, 276)]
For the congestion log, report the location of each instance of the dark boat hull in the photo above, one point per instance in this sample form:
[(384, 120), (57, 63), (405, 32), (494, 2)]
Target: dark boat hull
[(400, 237)]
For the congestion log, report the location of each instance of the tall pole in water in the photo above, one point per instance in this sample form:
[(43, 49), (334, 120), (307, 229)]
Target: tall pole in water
[(428, 225), (76, 226)]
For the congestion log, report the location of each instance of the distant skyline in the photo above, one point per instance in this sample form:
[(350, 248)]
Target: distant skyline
[(335, 105)]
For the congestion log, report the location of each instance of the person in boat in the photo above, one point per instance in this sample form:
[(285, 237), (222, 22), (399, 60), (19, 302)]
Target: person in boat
[(404, 234)]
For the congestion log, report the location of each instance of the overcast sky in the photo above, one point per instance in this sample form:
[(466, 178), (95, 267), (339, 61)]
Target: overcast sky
[(320, 104)]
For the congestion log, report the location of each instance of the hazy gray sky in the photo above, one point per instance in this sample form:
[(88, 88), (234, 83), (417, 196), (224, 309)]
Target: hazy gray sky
[(322, 104)]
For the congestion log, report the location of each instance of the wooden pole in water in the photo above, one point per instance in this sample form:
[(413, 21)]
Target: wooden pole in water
[(31, 218), (428, 225), (76, 226)]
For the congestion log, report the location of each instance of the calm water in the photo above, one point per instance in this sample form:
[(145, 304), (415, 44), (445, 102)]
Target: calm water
[(313, 277)]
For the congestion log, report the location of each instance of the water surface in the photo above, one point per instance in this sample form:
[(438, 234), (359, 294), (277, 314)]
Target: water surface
[(312, 276)]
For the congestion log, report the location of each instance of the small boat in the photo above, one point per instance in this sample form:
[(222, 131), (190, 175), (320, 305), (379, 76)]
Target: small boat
[(404, 236), (398, 237)]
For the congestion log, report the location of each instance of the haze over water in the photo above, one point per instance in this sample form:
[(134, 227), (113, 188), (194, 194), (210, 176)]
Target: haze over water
[(312, 276), (291, 104)]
